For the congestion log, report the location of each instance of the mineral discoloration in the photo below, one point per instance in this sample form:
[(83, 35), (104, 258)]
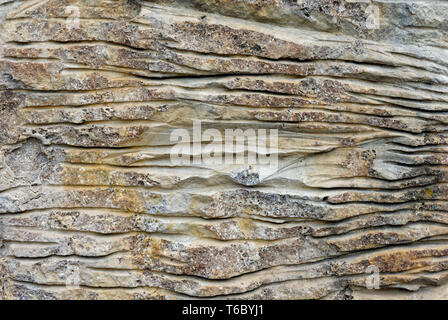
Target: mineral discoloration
[(86, 182)]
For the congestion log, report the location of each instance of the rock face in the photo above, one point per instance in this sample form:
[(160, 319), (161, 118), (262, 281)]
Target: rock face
[(92, 205)]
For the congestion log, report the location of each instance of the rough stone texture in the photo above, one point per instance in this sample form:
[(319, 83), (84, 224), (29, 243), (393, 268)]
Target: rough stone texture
[(86, 112)]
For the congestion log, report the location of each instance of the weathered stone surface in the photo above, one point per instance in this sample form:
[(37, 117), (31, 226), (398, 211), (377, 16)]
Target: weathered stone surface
[(90, 92)]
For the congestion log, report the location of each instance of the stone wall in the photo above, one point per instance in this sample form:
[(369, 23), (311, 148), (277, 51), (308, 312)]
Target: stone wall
[(92, 205)]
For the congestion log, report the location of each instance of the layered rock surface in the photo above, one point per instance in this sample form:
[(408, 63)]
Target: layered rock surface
[(90, 92)]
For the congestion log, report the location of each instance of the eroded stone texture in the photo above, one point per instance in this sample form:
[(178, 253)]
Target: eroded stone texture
[(86, 182)]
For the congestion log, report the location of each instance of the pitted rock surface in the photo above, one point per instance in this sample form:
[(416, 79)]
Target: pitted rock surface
[(91, 90)]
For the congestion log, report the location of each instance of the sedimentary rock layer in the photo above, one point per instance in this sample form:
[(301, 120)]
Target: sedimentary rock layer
[(90, 92)]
